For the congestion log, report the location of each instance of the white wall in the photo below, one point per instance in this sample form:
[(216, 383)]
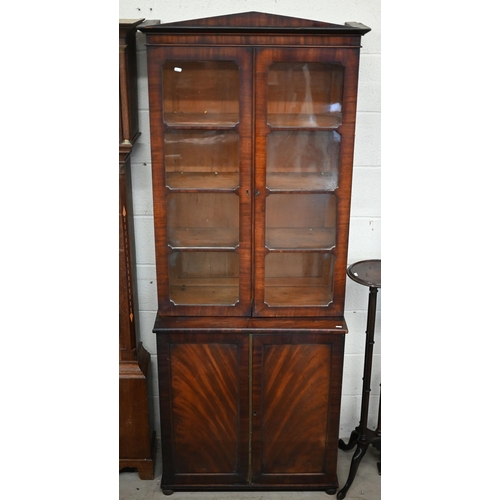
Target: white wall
[(365, 235)]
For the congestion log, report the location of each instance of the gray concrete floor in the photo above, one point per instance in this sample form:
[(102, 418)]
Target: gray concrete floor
[(366, 485)]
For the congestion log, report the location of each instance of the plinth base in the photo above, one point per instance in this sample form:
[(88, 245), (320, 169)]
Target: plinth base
[(137, 442)]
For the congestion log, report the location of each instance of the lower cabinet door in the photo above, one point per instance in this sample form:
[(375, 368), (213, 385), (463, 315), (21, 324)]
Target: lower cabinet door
[(296, 392), (204, 399)]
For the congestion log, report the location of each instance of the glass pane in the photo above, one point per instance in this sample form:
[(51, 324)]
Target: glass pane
[(305, 94), (204, 278), (206, 159), (203, 219), (298, 279), (305, 160), (200, 93), (301, 221)]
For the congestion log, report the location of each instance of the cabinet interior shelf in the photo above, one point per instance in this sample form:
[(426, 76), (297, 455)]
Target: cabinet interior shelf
[(317, 181), (312, 238), (225, 291), (215, 293), (202, 120), (229, 181), (275, 121), (203, 181), (217, 238), (203, 237), (304, 121), (293, 296)]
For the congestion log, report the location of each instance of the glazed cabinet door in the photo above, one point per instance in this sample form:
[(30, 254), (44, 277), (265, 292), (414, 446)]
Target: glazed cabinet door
[(203, 383), (201, 130), (295, 409), (305, 115)]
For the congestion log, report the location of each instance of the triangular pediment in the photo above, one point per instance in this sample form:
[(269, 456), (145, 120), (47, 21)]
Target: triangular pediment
[(257, 21)]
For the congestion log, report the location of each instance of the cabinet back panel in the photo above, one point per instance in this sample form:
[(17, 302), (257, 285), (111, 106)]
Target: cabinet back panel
[(203, 210), (298, 279), (201, 151), (301, 221), (204, 278), (203, 91)]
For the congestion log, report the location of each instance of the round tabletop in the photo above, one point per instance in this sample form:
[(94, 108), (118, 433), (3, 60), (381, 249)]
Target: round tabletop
[(366, 272)]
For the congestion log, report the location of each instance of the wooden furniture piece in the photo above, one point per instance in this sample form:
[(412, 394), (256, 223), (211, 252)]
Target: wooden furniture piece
[(252, 120), (137, 441), (367, 273)]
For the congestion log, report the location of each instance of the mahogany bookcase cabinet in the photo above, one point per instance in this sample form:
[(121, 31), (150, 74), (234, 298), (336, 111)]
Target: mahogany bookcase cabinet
[(252, 134)]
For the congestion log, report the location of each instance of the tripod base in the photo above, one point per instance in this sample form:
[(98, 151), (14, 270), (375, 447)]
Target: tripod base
[(362, 442)]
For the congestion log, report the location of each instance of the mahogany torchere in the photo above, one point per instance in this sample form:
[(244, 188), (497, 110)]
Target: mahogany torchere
[(137, 441), (367, 273), (252, 135)]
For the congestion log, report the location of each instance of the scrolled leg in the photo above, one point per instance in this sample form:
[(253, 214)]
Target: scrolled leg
[(356, 459)]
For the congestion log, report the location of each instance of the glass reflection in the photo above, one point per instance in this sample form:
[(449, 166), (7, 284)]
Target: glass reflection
[(305, 94), (303, 160), (203, 159)]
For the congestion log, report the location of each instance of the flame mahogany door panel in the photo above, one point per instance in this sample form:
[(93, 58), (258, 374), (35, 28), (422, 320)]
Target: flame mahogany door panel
[(203, 383), (295, 409)]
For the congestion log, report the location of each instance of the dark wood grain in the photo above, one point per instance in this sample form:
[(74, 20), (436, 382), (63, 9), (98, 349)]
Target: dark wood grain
[(134, 428), (129, 117), (204, 408), (296, 380), (259, 22), (129, 132), (128, 304), (296, 408)]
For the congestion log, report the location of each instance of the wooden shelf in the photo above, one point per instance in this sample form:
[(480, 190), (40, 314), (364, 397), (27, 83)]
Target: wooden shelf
[(223, 291), (203, 180), (203, 237), (306, 121), (300, 238), (205, 120), (319, 182), (294, 296)]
